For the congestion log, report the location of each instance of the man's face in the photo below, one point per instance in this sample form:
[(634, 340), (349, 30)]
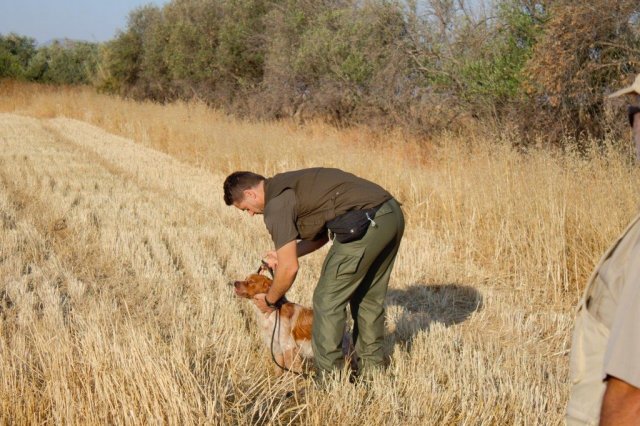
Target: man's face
[(250, 203)]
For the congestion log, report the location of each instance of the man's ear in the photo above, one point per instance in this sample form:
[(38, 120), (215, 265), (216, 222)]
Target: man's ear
[(249, 193)]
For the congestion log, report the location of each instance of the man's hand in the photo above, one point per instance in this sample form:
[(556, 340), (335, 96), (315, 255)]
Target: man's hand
[(271, 259), (621, 404), (283, 278), (258, 299)]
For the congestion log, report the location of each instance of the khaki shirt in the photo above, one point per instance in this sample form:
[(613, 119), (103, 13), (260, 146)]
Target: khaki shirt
[(298, 204), (616, 303), (606, 336)]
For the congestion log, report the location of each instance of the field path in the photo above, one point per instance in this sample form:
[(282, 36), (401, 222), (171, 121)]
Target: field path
[(78, 168)]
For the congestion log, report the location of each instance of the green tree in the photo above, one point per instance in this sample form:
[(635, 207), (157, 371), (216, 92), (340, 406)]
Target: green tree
[(67, 62), (121, 59), (494, 74), (15, 53)]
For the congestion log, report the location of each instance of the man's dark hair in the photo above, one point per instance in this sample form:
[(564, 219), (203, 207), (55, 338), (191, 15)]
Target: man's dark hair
[(237, 182)]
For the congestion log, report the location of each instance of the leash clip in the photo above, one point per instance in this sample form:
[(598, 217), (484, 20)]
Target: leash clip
[(264, 266), (373, 223)]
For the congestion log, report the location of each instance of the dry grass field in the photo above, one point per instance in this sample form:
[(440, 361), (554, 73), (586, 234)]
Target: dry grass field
[(116, 250)]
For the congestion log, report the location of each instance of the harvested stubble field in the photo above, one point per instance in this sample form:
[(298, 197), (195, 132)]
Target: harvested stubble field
[(116, 250)]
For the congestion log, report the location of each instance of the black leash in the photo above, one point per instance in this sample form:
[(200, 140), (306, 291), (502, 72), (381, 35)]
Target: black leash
[(276, 326), (264, 266)]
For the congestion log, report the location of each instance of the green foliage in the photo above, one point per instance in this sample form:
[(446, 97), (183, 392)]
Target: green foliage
[(346, 44), (66, 62), (416, 64), (191, 39), (495, 75), (188, 48), (15, 53), (121, 59), (339, 53), (333, 47), (240, 54)]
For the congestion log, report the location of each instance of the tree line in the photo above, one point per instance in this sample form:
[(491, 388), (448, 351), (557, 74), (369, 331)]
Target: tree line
[(60, 62), (540, 66)]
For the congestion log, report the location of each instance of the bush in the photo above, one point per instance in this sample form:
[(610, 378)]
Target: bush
[(541, 64), (571, 71), (66, 62), (62, 62), (121, 59), (15, 54)]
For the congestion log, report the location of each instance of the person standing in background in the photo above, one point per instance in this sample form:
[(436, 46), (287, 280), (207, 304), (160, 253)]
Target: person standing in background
[(604, 364)]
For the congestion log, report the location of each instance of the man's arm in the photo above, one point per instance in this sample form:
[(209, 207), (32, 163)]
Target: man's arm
[(305, 247), (284, 277), (621, 404)]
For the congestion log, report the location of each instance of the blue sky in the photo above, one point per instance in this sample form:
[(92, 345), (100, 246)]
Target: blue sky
[(90, 20)]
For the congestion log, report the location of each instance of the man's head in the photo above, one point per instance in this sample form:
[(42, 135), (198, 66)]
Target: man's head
[(245, 190), (633, 111)]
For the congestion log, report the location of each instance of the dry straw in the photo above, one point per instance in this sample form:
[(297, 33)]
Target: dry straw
[(116, 251)]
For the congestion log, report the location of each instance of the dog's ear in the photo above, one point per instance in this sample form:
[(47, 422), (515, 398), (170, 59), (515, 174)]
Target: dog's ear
[(261, 283)]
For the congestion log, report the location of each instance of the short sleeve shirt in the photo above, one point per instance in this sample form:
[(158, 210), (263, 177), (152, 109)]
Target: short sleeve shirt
[(314, 197), (280, 218), (620, 274)]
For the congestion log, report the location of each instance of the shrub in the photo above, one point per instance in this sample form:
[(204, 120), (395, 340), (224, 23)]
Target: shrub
[(587, 48), (15, 54)]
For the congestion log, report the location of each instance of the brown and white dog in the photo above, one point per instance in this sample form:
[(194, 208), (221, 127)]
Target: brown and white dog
[(293, 341)]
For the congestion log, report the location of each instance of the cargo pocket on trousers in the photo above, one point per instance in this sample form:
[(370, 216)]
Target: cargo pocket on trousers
[(343, 265)]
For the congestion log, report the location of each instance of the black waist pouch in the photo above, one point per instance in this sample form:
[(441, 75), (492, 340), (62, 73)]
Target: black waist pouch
[(352, 225)]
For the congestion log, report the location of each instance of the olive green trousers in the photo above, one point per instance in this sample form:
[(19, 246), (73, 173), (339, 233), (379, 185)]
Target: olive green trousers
[(356, 273)]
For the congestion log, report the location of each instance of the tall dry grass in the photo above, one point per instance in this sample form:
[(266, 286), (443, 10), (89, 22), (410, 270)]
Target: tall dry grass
[(116, 251)]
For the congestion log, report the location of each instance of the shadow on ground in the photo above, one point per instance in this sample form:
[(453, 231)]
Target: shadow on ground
[(417, 307)]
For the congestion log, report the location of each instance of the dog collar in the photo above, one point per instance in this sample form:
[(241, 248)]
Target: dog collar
[(278, 304)]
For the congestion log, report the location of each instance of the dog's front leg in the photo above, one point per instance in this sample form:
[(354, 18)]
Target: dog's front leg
[(293, 360), (280, 359), (297, 362)]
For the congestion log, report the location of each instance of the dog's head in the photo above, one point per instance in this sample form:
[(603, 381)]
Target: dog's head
[(254, 284)]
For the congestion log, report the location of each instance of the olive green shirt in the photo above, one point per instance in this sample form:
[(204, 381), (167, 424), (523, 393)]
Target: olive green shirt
[(298, 204)]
